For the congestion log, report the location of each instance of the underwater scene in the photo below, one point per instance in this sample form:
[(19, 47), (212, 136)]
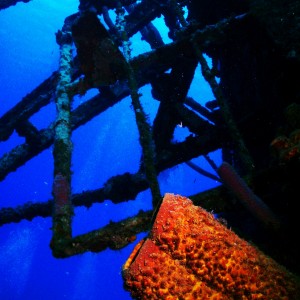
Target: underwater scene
[(149, 149)]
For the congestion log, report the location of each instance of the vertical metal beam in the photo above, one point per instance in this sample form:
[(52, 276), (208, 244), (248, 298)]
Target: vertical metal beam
[(62, 150)]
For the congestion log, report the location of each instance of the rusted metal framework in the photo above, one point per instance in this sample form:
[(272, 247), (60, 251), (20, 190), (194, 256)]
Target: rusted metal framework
[(250, 78)]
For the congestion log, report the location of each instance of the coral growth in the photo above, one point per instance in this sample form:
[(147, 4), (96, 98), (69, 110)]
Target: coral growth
[(61, 193), (287, 148), (190, 255)]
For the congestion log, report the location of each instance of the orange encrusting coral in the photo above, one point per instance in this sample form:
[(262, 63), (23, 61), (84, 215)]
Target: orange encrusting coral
[(190, 255), (287, 148)]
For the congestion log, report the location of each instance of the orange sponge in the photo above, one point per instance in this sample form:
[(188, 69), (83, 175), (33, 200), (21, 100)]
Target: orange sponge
[(190, 255)]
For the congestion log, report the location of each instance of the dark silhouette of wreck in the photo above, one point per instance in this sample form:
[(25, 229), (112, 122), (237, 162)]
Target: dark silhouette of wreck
[(254, 118)]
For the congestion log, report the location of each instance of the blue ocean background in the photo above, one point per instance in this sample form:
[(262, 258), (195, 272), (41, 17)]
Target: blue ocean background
[(106, 146)]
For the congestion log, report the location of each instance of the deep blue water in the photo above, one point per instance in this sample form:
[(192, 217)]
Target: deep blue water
[(104, 147)]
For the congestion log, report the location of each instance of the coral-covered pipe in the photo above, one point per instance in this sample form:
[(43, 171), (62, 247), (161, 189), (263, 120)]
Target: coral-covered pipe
[(62, 151), (191, 255)]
